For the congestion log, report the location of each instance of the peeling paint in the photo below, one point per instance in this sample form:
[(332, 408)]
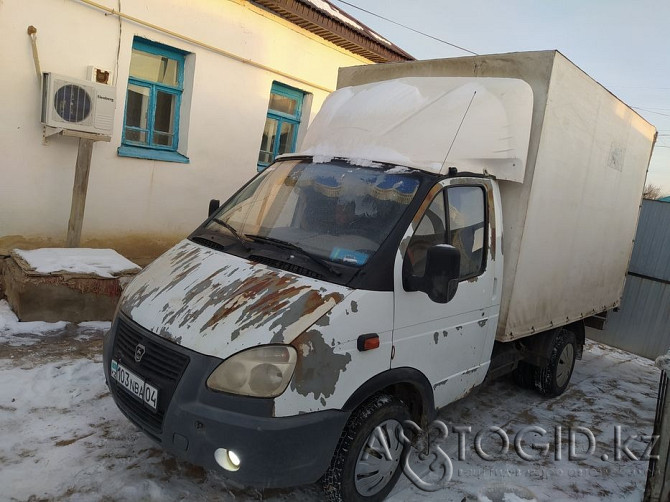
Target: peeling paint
[(324, 320), (482, 323), (492, 221), (318, 367), (459, 328), (436, 337), (205, 300), (445, 333), (354, 306)]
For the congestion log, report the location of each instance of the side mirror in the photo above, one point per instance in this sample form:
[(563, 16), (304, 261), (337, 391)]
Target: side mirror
[(440, 279), (213, 206)]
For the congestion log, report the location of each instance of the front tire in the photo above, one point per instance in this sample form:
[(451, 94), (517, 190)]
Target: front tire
[(366, 463)]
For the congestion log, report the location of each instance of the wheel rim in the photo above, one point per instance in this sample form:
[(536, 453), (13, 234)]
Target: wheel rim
[(565, 365), (378, 459)]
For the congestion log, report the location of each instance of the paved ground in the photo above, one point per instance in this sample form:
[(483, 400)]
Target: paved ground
[(62, 438)]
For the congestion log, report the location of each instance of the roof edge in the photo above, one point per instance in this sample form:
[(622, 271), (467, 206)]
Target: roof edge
[(336, 26)]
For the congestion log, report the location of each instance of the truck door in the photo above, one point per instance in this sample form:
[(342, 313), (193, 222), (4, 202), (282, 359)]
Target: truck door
[(450, 342)]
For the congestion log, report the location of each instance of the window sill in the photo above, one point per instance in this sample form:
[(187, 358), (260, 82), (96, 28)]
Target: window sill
[(149, 154)]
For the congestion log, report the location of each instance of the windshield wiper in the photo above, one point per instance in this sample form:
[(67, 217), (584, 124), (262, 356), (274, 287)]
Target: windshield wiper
[(294, 247), (232, 230)]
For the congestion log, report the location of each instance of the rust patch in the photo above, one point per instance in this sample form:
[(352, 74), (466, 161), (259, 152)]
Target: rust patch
[(318, 367), (258, 298), (300, 308)]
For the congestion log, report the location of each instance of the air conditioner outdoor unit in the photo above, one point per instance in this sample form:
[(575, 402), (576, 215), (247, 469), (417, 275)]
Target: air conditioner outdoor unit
[(77, 105)]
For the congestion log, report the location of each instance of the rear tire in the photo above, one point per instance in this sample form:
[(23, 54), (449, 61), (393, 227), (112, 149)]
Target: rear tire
[(361, 469), (553, 379)]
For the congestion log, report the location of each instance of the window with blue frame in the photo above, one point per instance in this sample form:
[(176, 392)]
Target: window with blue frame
[(281, 125), (153, 100)]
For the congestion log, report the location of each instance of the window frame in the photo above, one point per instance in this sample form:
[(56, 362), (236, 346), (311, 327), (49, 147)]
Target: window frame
[(292, 93), (130, 148)]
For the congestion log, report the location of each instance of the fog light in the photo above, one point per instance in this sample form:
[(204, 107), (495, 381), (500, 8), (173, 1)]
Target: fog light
[(227, 459)]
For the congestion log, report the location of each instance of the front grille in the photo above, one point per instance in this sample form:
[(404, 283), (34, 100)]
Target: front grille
[(161, 366), (158, 361), (289, 267)]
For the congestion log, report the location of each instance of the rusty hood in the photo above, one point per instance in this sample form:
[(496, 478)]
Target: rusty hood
[(218, 304)]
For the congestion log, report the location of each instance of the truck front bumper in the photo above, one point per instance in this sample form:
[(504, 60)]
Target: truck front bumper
[(192, 422)]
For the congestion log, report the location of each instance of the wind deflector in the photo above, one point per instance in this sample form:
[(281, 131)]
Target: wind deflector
[(478, 125)]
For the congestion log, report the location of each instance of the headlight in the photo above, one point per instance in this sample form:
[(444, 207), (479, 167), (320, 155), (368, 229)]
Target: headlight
[(261, 372)]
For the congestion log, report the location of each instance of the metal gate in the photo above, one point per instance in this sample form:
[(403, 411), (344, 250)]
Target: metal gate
[(657, 488)]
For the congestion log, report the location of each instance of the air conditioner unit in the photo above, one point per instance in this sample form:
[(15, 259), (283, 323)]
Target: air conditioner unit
[(77, 105)]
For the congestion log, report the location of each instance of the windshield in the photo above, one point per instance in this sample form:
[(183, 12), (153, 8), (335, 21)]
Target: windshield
[(334, 211)]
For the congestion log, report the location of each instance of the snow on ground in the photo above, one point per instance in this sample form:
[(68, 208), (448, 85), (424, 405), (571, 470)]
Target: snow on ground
[(105, 263), (13, 332), (62, 438)]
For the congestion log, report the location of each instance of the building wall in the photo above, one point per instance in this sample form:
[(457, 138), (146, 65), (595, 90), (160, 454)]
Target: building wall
[(139, 206)]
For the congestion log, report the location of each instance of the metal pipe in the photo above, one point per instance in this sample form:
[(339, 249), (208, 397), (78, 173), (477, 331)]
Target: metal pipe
[(32, 33)]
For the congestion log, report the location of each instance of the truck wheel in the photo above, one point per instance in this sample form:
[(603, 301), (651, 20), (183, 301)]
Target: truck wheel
[(553, 379), (366, 462)]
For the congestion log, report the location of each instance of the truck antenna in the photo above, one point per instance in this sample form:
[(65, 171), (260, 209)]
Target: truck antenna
[(458, 130)]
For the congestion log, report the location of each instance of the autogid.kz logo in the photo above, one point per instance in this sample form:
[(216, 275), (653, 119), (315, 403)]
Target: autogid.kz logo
[(428, 465)]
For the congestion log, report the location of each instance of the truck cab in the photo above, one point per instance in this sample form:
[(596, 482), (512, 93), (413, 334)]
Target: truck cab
[(318, 290)]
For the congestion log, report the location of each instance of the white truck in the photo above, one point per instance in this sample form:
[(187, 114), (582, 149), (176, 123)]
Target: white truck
[(444, 220)]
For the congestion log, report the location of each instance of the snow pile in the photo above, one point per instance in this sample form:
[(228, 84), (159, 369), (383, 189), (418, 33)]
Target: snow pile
[(14, 332), (105, 263), (663, 362)]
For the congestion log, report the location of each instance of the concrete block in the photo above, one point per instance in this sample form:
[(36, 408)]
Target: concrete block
[(55, 297)]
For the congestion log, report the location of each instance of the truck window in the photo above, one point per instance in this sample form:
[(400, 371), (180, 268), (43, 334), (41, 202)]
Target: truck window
[(467, 230), (340, 213)]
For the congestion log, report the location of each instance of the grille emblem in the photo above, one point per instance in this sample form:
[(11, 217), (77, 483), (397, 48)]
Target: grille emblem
[(139, 352)]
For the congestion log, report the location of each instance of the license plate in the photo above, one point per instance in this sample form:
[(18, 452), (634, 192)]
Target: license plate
[(135, 384)]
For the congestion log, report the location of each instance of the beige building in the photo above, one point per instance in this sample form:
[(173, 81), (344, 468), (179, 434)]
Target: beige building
[(202, 95)]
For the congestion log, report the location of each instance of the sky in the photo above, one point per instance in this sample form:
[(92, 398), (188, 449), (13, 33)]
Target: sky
[(623, 44)]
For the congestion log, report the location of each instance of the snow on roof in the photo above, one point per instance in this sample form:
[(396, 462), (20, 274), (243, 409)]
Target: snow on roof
[(105, 263), (335, 13)]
